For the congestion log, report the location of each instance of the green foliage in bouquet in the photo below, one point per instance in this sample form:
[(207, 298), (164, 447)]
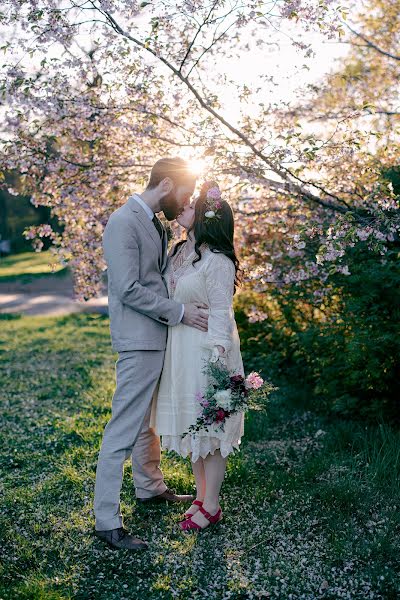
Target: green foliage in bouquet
[(227, 394)]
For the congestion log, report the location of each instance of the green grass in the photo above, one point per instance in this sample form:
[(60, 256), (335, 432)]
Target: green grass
[(29, 265), (311, 505)]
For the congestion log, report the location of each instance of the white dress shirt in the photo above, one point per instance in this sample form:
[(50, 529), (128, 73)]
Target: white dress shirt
[(145, 206), (150, 214)]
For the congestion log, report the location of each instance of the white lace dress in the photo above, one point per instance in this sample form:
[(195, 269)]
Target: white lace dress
[(211, 281)]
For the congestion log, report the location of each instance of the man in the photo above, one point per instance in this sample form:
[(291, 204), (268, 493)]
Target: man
[(135, 249)]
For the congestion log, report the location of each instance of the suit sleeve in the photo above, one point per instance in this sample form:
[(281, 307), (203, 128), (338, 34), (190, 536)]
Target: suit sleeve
[(121, 253)]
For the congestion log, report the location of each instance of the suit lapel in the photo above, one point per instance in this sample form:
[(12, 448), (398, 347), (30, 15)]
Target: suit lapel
[(145, 221)]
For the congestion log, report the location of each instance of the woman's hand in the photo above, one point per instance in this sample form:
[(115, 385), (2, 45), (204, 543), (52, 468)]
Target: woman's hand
[(218, 354)]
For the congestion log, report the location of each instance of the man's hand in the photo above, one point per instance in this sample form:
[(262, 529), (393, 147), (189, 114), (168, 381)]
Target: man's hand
[(196, 316)]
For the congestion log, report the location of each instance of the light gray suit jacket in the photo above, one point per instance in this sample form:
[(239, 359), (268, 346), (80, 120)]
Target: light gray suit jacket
[(139, 307)]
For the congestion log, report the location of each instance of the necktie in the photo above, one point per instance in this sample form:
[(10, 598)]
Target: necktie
[(158, 226)]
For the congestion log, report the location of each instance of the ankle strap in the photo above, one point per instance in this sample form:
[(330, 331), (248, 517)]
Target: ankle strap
[(198, 503), (211, 518), (205, 513)]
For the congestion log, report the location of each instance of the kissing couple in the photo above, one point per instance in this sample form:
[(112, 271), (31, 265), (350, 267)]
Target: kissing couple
[(169, 314)]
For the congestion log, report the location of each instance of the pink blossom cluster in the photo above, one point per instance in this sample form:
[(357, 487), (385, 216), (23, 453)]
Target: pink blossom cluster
[(256, 315)]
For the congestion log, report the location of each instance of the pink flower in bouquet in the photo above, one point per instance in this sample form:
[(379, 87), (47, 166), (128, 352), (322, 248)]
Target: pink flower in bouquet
[(254, 381), (199, 397)]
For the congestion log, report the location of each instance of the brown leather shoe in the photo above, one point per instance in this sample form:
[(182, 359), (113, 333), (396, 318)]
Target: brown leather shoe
[(168, 496), (122, 539)]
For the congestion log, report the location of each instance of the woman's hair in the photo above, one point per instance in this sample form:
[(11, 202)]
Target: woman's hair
[(217, 233), (175, 168)]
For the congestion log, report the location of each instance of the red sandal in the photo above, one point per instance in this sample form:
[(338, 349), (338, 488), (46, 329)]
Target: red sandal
[(188, 524), (188, 514)]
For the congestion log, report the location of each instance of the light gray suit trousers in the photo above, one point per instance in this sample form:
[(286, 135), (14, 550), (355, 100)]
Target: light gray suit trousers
[(128, 433)]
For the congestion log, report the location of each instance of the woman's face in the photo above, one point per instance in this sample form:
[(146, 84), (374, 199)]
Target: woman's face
[(186, 218)]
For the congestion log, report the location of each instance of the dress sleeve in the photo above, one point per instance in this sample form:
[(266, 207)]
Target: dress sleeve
[(220, 278)]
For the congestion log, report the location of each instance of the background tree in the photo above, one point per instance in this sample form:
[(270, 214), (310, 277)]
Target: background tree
[(331, 313), (309, 182)]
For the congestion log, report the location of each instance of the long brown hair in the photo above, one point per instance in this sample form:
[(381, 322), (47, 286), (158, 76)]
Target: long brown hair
[(217, 233)]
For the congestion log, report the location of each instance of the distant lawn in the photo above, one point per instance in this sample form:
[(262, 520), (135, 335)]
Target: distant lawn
[(311, 504), (29, 265)]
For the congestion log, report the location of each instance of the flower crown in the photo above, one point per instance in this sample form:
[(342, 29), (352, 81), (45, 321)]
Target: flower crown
[(213, 202)]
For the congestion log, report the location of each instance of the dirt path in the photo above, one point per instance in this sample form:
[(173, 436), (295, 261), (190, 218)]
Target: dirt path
[(49, 295)]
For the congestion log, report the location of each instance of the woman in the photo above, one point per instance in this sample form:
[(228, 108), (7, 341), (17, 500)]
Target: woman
[(202, 268)]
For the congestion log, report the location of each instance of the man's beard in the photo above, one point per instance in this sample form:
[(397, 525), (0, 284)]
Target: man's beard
[(169, 206)]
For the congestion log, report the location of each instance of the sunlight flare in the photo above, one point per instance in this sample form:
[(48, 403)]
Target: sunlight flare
[(197, 166)]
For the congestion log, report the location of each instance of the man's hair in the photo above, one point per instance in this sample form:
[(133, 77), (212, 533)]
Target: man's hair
[(175, 168)]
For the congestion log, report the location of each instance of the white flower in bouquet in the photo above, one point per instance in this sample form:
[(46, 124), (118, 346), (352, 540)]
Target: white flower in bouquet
[(209, 214), (223, 399)]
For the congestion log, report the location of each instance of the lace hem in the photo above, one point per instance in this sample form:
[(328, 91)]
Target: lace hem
[(198, 446)]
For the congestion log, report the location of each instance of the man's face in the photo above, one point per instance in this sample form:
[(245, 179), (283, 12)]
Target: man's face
[(174, 202)]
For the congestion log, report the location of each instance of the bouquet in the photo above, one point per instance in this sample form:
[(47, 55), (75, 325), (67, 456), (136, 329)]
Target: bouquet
[(226, 395)]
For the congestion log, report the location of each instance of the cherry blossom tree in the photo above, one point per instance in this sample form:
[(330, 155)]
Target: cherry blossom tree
[(100, 89), (354, 116)]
